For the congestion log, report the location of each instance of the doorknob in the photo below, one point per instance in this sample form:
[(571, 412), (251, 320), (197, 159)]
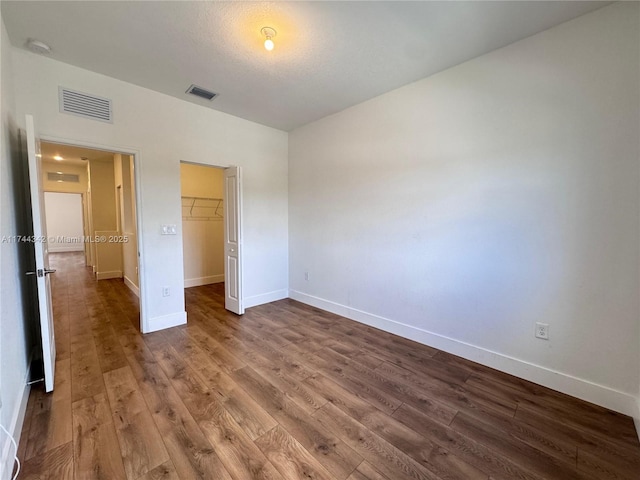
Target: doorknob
[(41, 273)]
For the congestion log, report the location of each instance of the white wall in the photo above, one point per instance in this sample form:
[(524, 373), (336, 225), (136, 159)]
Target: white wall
[(103, 194), (202, 224), (161, 131), (108, 259), (463, 208), (129, 197), (64, 220), (14, 332)]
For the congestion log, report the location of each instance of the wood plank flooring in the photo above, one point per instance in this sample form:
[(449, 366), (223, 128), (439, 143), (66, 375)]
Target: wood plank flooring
[(291, 392)]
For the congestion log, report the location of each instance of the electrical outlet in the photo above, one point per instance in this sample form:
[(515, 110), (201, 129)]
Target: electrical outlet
[(542, 330), (166, 291), (306, 276)]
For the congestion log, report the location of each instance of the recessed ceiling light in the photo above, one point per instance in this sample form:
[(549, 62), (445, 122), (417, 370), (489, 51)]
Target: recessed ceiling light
[(58, 157), (37, 46)]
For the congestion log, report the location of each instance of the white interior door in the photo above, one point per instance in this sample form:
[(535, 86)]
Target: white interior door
[(233, 240), (42, 269)]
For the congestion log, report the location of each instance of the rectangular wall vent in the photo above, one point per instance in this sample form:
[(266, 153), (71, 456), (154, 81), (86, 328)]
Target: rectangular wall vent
[(201, 92), (62, 177), (85, 105)]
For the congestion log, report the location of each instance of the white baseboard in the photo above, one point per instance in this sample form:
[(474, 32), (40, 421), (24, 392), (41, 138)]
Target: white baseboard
[(166, 321), (15, 429), (577, 387), (196, 282), (132, 286), (265, 298), (108, 275)]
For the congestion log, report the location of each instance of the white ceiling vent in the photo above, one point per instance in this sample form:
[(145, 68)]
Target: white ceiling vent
[(85, 105), (63, 177)]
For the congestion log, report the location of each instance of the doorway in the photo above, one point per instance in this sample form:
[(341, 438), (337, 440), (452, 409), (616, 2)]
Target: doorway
[(97, 189), (211, 202), (64, 221), (202, 201)]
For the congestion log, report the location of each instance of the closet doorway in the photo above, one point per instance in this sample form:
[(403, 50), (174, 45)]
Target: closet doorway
[(211, 199), (202, 190)]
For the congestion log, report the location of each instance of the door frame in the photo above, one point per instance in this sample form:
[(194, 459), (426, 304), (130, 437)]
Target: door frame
[(137, 173), (238, 216)]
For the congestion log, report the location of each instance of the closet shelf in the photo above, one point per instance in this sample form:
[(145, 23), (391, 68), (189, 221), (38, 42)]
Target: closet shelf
[(202, 208)]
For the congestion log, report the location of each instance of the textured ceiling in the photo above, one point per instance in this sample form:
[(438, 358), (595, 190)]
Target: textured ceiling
[(328, 55)]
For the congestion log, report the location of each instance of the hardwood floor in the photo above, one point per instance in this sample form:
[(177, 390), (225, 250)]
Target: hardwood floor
[(291, 392)]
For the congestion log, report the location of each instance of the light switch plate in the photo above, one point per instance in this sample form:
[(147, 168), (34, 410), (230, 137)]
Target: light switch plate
[(169, 229)]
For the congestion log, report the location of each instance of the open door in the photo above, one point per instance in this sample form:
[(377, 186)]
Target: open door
[(42, 269), (233, 240)]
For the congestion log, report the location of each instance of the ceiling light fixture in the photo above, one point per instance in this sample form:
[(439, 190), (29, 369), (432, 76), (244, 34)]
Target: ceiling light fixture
[(269, 33), (58, 157)]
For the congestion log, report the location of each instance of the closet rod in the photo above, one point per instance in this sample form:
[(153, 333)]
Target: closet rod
[(201, 198), (193, 201)]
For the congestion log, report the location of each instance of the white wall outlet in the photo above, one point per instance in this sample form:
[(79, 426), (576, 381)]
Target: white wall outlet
[(169, 229), (542, 330), (306, 276), (166, 291)]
